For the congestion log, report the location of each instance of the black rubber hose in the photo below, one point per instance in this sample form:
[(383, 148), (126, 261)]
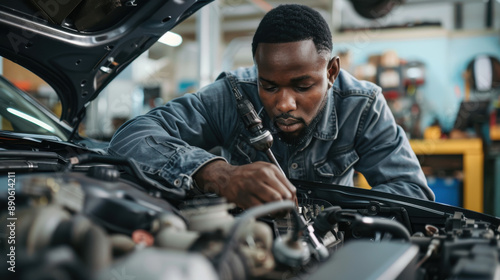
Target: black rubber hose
[(384, 225), (30, 154), (325, 221)]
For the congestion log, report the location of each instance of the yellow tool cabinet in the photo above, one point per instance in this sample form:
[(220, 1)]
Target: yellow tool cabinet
[(471, 151)]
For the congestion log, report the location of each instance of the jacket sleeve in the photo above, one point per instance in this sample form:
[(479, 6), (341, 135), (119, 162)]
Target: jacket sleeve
[(386, 157), (172, 141)]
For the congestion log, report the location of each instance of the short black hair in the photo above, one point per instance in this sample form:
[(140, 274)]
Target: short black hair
[(293, 23)]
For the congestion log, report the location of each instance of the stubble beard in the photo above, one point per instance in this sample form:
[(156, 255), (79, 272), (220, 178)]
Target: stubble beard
[(305, 133)]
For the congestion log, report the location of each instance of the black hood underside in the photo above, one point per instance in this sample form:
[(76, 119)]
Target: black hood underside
[(79, 46)]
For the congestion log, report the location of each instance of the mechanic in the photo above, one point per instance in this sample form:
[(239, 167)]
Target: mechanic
[(325, 124)]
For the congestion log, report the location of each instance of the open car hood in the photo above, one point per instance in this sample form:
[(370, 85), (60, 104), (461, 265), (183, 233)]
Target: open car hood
[(79, 46)]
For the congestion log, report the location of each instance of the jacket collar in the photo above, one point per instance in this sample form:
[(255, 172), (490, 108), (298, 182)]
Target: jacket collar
[(327, 127)]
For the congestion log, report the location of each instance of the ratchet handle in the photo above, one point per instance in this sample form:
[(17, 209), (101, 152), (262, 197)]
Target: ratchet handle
[(250, 118)]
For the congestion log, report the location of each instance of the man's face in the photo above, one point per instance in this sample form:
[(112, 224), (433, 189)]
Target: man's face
[(293, 82)]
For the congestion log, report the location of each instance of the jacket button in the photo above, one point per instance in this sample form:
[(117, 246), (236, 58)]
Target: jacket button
[(177, 182), (294, 165)]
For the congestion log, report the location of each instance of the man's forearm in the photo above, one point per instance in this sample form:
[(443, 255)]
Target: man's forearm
[(212, 176)]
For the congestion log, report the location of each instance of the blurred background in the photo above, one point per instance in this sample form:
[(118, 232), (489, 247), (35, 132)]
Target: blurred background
[(437, 62)]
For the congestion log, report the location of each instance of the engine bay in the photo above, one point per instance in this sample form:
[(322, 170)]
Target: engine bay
[(100, 217)]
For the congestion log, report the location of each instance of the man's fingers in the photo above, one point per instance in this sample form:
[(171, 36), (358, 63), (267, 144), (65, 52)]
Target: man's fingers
[(267, 193), (285, 183), (280, 183), (259, 183), (249, 201)]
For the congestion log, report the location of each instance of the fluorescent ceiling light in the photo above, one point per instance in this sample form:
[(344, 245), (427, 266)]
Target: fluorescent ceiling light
[(170, 38), (30, 119)]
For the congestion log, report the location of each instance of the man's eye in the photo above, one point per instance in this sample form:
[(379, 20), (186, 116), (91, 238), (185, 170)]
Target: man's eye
[(269, 88), (302, 89)]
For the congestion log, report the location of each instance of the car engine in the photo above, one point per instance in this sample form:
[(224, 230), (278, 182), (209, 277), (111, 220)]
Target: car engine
[(88, 216)]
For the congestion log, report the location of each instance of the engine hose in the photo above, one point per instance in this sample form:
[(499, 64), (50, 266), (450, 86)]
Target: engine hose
[(89, 241), (384, 225), (253, 213), (325, 220)]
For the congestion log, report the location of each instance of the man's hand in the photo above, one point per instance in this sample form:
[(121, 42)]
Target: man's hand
[(246, 185)]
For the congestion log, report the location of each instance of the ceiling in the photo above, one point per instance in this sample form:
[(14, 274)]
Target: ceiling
[(240, 18)]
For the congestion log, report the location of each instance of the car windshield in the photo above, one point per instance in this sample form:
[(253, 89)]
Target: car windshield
[(18, 113)]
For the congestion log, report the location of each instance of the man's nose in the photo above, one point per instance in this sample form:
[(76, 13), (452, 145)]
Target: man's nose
[(286, 101)]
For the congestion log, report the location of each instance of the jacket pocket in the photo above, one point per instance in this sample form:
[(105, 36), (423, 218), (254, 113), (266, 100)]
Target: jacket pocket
[(336, 165)]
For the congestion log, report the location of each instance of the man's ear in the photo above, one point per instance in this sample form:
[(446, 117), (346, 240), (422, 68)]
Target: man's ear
[(333, 70)]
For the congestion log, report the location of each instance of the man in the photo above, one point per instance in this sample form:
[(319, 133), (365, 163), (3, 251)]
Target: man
[(325, 124)]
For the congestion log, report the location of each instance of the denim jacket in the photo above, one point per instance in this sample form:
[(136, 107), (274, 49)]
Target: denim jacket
[(356, 131)]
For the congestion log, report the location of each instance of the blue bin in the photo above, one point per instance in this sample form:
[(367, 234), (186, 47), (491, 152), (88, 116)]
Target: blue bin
[(446, 189)]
